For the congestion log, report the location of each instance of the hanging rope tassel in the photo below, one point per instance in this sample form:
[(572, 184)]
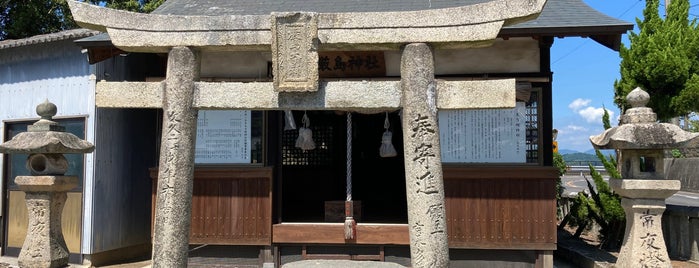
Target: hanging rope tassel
[(350, 223), (387, 149)]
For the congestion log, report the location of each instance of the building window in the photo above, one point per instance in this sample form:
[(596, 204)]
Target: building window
[(532, 126), (17, 162)]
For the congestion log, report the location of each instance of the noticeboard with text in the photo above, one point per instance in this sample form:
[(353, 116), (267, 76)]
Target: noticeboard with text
[(223, 137), (483, 135)]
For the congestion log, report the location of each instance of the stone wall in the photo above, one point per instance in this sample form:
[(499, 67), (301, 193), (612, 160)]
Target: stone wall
[(686, 170)]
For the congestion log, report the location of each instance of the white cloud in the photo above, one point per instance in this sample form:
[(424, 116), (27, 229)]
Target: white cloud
[(594, 115), (575, 128), (579, 103)]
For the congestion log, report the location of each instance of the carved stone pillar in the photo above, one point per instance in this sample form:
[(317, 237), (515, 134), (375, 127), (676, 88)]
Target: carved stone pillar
[(175, 177), (44, 245), (644, 245), (423, 165)]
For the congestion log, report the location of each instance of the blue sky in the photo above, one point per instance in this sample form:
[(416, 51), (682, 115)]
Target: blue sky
[(583, 77)]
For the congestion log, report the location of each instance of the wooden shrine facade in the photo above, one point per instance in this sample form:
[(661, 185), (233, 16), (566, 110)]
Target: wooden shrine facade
[(486, 209)]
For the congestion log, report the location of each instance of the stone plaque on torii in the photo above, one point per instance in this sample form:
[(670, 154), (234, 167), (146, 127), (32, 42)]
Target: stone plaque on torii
[(295, 39)]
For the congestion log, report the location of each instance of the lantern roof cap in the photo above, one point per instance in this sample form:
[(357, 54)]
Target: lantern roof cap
[(46, 136), (640, 130)]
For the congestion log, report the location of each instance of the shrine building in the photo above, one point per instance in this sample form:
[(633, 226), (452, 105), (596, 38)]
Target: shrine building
[(397, 131)]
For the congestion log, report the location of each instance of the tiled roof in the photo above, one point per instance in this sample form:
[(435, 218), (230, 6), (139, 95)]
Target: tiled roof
[(559, 17), (570, 13), (563, 18), (556, 13), (45, 38)]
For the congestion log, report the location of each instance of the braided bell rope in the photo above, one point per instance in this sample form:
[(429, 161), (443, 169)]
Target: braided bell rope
[(349, 157)]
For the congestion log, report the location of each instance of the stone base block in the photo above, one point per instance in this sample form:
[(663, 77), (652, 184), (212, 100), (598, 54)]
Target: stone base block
[(644, 245)]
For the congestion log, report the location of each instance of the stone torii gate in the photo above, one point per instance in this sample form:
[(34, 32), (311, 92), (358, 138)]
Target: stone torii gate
[(295, 39)]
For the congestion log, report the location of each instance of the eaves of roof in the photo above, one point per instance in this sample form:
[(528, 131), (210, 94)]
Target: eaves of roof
[(566, 18), (99, 40), (46, 38)]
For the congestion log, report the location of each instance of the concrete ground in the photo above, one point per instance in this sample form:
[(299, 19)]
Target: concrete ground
[(577, 253), (558, 261), (12, 262), (571, 252)]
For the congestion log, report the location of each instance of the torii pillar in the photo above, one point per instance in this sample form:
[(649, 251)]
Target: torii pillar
[(424, 184), (176, 170)]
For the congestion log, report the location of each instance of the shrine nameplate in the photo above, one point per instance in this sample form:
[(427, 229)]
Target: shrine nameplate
[(351, 64), (295, 51)]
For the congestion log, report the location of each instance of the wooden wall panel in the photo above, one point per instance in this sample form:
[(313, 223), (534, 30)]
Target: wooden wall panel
[(231, 205), (501, 207)]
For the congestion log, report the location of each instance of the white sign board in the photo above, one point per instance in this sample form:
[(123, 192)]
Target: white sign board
[(483, 136), (223, 137)]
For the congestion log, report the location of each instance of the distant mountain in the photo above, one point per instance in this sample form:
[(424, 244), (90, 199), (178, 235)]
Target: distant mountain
[(581, 159), (567, 151), (591, 151), (604, 152)]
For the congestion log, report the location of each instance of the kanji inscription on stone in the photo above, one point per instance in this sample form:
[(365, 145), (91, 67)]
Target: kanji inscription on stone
[(423, 168), (295, 51)]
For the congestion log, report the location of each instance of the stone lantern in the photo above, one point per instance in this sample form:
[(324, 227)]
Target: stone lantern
[(45, 142), (641, 142)]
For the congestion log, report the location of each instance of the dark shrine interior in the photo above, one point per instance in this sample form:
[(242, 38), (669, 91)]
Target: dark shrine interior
[(312, 180)]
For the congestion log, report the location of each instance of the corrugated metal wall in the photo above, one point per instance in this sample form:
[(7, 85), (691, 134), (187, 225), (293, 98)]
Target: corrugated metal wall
[(56, 71), (122, 186), (127, 146), (116, 191)]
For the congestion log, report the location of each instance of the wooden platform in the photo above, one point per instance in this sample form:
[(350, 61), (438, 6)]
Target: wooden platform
[(333, 233)]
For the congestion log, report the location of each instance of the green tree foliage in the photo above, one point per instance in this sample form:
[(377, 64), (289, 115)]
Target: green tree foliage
[(600, 205), (609, 165), (663, 59), (25, 18), (560, 164), (143, 6), (605, 119)]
